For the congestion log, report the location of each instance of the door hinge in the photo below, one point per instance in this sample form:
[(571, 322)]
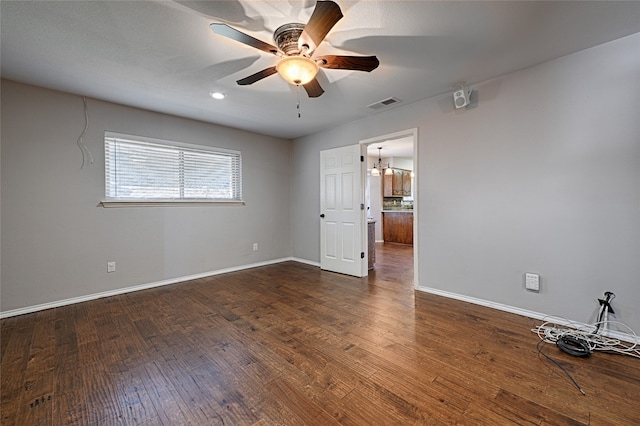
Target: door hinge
[(361, 206), (362, 158), (361, 255)]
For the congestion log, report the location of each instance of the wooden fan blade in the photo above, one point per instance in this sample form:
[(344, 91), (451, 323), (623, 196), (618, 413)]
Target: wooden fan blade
[(232, 33), (323, 18), (356, 63), (257, 76), (313, 88)]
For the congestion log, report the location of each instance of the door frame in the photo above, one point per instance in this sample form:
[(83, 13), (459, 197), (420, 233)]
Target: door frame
[(413, 133)]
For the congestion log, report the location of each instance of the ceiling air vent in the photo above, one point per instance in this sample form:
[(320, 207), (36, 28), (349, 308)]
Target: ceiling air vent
[(383, 103)]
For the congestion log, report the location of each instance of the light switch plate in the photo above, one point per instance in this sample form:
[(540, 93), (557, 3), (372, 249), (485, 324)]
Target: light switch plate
[(532, 281)]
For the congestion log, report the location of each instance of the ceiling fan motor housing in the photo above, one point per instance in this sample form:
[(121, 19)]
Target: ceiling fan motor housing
[(286, 37)]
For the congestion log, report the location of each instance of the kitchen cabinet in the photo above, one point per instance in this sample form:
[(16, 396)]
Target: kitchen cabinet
[(397, 184), (406, 183), (397, 227)]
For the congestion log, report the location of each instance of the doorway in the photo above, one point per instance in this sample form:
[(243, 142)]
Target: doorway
[(400, 153)]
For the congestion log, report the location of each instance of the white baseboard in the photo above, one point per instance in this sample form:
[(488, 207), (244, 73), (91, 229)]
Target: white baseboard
[(308, 262), (482, 302), (59, 303), (524, 312)]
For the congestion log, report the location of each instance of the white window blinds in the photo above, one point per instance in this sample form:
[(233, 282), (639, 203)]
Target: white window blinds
[(149, 169)]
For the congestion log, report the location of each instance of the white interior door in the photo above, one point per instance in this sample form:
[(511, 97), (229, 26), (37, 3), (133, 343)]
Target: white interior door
[(342, 237)]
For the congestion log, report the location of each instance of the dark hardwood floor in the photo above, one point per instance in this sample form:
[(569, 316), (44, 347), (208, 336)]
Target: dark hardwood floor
[(289, 344)]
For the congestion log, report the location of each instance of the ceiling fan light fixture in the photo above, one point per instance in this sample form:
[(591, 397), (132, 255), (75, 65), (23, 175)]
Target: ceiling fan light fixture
[(297, 70)]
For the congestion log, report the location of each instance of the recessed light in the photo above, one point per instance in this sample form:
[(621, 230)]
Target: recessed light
[(217, 95)]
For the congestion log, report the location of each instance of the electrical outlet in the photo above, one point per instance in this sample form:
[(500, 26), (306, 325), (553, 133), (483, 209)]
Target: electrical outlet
[(111, 266), (255, 246), (532, 281)]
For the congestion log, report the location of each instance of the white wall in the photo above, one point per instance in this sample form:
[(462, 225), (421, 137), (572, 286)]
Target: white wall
[(541, 174), (402, 163), (56, 240), (375, 201)]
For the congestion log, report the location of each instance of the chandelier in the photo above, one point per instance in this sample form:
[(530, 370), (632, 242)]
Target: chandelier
[(377, 166)]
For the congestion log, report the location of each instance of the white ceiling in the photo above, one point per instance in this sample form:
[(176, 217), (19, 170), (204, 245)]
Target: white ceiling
[(162, 55)]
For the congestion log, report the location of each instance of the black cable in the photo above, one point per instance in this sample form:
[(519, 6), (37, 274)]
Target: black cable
[(605, 308), (573, 346), (564, 370)]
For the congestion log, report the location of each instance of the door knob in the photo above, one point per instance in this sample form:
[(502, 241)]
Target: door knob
[(322, 215)]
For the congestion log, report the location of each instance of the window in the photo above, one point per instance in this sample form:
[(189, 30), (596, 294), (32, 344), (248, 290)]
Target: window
[(144, 170)]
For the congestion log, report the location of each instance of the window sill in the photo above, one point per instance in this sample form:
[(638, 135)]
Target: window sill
[(168, 203)]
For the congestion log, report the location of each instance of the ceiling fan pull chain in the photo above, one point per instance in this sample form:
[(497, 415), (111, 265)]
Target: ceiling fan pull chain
[(298, 96)]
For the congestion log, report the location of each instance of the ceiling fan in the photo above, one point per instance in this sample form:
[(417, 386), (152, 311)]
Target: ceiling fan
[(296, 44)]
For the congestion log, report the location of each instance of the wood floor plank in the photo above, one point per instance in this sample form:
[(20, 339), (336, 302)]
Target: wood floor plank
[(14, 366), (37, 407), (377, 403), (290, 344), (298, 403), (199, 400), (170, 407), (134, 399), (230, 403), (485, 414), (101, 396), (6, 330), (521, 410), (70, 406)]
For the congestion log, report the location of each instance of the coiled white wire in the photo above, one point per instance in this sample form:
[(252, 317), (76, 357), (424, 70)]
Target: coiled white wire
[(555, 327)]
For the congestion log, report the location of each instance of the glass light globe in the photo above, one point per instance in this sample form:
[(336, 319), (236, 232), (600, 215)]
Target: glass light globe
[(297, 70)]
